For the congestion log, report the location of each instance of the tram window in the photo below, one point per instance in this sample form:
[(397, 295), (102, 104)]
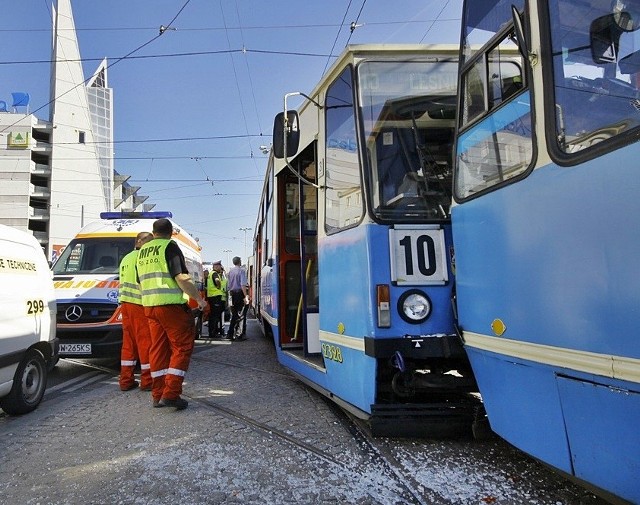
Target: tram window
[(342, 164), (498, 144), (491, 80), (474, 87), (596, 73), (484, 20), (408, 120)]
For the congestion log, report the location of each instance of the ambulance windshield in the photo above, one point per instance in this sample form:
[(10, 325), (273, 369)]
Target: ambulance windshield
[(93, 255)]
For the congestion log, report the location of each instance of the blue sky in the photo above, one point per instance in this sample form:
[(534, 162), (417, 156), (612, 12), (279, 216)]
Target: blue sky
[(211, 184)]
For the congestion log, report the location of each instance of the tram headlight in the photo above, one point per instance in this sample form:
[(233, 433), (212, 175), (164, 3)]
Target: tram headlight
[(414, 306)]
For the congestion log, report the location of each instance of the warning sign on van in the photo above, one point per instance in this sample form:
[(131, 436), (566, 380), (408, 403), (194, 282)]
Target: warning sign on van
[(17, 266)]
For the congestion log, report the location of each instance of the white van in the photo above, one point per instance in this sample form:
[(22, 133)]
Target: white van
[(28, 344), (86, 280)]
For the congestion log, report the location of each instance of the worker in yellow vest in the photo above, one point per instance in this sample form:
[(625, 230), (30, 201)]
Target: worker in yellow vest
[(166, 287), (135, 330), (214, 296)]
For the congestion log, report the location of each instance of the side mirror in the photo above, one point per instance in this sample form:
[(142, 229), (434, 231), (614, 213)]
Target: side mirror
[(290, 129)]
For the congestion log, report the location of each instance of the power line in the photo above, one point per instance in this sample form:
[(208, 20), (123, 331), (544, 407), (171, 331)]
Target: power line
[(169, 139), (255, 104), (444, 6), (222, 28), (107, 67), (354, 25), (336, 39), (235, 73)]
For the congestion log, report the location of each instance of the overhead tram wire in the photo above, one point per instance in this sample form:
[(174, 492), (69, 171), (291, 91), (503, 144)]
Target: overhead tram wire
[(220, 28), (147, 141), (235, 73), (444, 6), (253, 94), (169, 139), (107, 67), (336, 39), (354, 25)]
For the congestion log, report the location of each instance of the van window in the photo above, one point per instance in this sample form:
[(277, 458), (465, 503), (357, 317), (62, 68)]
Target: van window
[(93, 255)]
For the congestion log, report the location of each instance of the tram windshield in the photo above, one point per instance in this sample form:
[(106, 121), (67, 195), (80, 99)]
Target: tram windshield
[(596, 70), (408, 114)]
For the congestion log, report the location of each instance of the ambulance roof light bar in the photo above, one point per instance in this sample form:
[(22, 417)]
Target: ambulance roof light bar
[(136, 215)]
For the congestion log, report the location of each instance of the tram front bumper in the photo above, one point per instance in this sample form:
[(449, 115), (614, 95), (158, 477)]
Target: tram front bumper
[(415, 346)]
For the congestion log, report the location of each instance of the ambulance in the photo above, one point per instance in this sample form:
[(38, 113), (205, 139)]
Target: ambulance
[(86, 281), (28, 345)]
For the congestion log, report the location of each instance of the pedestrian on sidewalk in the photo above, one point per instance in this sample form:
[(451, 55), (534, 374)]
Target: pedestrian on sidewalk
[(135, 330), (166, 286), (237, 285)]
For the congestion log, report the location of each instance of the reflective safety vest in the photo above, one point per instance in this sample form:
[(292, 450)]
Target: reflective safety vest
[(129, 287), (158, 287), (212, 289), (223, 287)]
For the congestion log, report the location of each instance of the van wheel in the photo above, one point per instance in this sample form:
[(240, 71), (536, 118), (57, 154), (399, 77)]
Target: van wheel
[(29, 383)]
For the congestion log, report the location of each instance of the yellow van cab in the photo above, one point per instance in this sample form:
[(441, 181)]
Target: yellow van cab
[(28, 344), (86, 280)]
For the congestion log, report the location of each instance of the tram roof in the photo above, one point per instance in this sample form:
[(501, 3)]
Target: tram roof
[(354, 53)]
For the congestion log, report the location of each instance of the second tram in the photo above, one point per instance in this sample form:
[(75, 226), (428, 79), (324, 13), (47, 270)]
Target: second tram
[(546, 230), (353, 248)]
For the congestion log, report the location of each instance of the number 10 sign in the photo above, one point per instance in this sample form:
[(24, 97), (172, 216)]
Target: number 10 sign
[(417, 255)]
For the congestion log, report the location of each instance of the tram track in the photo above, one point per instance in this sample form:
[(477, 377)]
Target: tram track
[(412, 490), (358, 430), (350, 424)]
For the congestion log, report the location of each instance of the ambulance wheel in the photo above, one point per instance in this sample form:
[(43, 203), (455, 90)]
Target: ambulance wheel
[(29, 383)]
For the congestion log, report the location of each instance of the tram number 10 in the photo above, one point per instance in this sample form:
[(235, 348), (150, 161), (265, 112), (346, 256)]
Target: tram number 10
[(417, 256)]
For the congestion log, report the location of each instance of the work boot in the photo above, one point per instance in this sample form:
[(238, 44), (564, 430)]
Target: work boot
[(131, 386), (178, 403)]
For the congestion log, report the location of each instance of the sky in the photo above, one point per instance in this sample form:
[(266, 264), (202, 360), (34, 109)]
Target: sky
[(194, 105)]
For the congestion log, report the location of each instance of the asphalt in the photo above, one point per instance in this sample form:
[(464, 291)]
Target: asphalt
[(252, 433)]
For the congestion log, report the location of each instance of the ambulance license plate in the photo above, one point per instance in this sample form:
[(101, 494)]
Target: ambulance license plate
[(75, 348)]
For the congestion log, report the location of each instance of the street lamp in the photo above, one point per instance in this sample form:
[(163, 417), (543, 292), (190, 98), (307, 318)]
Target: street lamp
[(227, 251), (245, 230)]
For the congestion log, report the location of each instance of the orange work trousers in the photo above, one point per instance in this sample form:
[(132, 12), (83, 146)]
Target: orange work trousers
[(136, 340), (173, 334)]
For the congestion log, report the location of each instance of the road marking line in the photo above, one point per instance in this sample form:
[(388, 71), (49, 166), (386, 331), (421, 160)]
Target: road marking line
[(87, 378)]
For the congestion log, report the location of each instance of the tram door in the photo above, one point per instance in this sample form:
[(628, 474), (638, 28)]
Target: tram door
[(299, 326)]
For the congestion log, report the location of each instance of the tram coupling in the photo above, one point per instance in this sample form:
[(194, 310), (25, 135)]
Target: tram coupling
[(409, 382)]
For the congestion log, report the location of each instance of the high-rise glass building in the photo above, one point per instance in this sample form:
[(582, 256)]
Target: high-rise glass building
[(58, 175)]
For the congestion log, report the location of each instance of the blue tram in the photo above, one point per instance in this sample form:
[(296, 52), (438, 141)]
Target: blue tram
[(353, 247), (547, 230)]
